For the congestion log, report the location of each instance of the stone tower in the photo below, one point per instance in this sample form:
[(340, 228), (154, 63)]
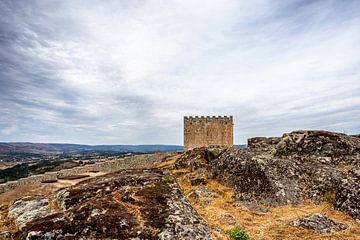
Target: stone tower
[(204, 131)]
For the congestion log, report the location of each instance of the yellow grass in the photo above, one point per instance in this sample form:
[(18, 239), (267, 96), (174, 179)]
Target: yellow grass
[(170, 161), (225, 214)]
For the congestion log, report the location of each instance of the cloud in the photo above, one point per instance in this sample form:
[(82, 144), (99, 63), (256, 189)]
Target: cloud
[(128, 71), (9, 130)]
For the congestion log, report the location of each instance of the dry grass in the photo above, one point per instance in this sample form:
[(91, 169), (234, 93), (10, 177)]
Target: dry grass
[(6, 224), (224, 214), (170, 161)]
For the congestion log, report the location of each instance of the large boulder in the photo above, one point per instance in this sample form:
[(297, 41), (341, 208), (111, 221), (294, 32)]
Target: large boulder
[(319, 143), (199, 158), (130, 204), (258, 179), (29, 208)]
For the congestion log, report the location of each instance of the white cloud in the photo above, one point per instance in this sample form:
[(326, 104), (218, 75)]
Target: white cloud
[(9, 130), (131, 69)]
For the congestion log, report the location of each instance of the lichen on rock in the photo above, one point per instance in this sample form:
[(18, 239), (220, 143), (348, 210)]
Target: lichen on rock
[(130, 204), (319, 223), (317, 165), (27, 209)]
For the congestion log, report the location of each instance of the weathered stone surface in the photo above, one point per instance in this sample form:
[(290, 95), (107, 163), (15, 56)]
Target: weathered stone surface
[(130, 204), (319, 223), (28, 209), (319, 165), (320, 143), (201, 192), (258, 180), (199, 158), (213, 152), (348, 195), (263, 143)]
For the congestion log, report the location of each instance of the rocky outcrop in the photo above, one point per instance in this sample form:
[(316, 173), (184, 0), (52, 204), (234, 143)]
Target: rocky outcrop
[(263, 143), (319, 143), (130, 204), (28, 209), (319, 165), (258, 179), (199, 157), (319, 223), (348, 194)]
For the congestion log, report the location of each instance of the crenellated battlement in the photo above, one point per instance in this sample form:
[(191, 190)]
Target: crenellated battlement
[(208, 118), (201, 131)]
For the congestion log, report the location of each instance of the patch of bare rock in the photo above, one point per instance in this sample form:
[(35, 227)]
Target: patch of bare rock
[(201, 192), (316, 165), (129, 204), (319, 223), (28, 209)]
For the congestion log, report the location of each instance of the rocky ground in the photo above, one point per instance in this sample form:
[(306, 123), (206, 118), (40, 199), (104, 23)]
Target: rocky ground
[(130, 204), (317, 166), (303, 185), (320, 223)]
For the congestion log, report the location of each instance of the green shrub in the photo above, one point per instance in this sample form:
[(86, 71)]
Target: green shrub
[(237, 234)]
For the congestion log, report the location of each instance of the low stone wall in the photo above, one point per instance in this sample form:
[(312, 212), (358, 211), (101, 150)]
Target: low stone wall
[(131, 162)]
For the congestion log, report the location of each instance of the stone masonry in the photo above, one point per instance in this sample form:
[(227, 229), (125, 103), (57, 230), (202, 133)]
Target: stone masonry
[(204, 131)]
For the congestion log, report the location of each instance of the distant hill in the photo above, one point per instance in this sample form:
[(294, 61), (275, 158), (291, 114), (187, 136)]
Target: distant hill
[(59, 148), (15, 147), (242, 146)]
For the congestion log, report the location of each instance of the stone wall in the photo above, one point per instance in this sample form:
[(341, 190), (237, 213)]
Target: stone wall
[(131, 162), (204, 131)]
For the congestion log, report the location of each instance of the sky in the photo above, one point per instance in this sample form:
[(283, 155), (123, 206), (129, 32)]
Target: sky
[(127, 72)]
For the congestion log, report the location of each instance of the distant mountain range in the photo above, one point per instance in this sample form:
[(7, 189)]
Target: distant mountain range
[(58, 148)]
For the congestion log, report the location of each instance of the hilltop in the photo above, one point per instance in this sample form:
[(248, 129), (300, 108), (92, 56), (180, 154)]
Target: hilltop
[(302, 185)]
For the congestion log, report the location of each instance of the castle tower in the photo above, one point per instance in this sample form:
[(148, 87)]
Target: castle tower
[(204, 131)]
